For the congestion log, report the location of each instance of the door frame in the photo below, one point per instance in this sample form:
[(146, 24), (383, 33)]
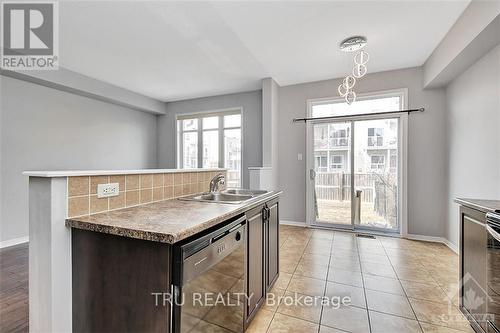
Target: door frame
[(402, 158)]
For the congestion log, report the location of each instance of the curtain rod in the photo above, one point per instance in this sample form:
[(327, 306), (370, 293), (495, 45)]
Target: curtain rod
[(295, 120)]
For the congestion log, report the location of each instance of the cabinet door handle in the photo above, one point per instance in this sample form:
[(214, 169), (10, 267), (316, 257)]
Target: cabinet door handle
[(266, 213)]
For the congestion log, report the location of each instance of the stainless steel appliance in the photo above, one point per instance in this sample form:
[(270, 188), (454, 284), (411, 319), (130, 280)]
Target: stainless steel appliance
[(493, 272), (209, 281)]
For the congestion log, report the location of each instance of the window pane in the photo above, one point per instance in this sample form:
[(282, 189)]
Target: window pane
[(190, 124), (340, 108), (339, 135), (232, 157), (190, 150), (321, 137), (210, 149), (211, 123), (233, 120)]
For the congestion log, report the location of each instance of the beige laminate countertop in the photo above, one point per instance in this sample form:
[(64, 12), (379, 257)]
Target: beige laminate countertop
[(480, 204), (167, 221)]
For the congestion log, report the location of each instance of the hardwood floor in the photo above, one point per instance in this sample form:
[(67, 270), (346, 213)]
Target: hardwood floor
[(14, 289)]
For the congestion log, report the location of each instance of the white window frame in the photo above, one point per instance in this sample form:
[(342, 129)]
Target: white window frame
[(326, 159), (180, 133), (337, 140), (340, 165), (205, 114), (378, 165), (374, 138), (402, 93)]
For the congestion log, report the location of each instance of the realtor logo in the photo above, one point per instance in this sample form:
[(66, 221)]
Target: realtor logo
[(29, 35)]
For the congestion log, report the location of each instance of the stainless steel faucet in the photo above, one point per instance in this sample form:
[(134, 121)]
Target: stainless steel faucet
[(220, 179)]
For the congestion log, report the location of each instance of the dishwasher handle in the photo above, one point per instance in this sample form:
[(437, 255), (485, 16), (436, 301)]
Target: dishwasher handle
[(493, 233), (221, 245)]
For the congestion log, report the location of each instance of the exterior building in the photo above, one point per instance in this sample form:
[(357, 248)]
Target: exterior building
[(375, 147)]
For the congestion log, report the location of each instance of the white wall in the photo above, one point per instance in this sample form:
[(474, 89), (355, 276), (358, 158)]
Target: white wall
[(427, 181), (473, 35), (251, 102), (473, 136), (44, 128)]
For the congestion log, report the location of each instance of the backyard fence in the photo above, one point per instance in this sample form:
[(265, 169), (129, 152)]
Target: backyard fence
[(379, 189)]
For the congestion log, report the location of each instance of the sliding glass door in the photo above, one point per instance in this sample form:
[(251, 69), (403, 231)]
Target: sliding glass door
[(354, 176), (332, 175), (376, 174)]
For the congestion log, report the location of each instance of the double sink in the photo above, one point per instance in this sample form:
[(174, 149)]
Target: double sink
[(232, 196)]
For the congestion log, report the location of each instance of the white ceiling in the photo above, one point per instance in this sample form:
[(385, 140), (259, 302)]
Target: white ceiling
[(180, 50)]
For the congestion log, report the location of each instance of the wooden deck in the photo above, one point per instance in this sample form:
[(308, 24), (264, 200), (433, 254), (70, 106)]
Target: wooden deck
[(14, 289)]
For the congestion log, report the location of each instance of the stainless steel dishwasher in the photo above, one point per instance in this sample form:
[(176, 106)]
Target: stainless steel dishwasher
[(209, 281)]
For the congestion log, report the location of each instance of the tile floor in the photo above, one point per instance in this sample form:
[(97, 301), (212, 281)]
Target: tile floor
[(395, 285)]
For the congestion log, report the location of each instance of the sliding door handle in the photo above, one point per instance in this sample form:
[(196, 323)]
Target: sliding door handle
[(312, 174)]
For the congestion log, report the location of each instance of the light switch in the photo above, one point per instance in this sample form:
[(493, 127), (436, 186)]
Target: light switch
[(299, 157)]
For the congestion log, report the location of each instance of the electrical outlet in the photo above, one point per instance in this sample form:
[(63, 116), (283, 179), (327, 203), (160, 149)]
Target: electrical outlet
[(108, 190)]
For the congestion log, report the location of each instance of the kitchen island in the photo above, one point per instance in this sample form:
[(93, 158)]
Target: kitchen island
[(124, 264), (100, 271)]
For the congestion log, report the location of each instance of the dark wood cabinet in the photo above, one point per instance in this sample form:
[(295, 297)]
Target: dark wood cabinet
[(255, 259), (263, 253), (113, 281), (272, 243), (117, 280), (473, 264)]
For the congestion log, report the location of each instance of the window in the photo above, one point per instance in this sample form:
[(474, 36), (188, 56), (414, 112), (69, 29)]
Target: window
[(375, 137), (190, 140), (211, 141), (339, 138), (377, 162), (321, 137), (336, 162), (363, 105), (321, 162)]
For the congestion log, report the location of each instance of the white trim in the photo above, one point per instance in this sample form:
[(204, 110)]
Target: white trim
[(73, 173), (452, 246), (433, 239), (402, 149), (294, 223), (362, 96), (14, 241)]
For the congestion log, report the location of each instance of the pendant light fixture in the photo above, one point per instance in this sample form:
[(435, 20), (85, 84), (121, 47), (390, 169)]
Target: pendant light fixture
[(361, 57)]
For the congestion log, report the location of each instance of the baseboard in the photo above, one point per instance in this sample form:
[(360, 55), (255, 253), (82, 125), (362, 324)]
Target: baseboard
[(293, 223), (433, 239), (452, 246), (14, 241)]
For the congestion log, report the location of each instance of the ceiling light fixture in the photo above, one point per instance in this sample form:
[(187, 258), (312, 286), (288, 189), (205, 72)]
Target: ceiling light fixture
[(354, 44)]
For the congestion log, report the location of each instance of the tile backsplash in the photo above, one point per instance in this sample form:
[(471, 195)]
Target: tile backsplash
[(135, 189)]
